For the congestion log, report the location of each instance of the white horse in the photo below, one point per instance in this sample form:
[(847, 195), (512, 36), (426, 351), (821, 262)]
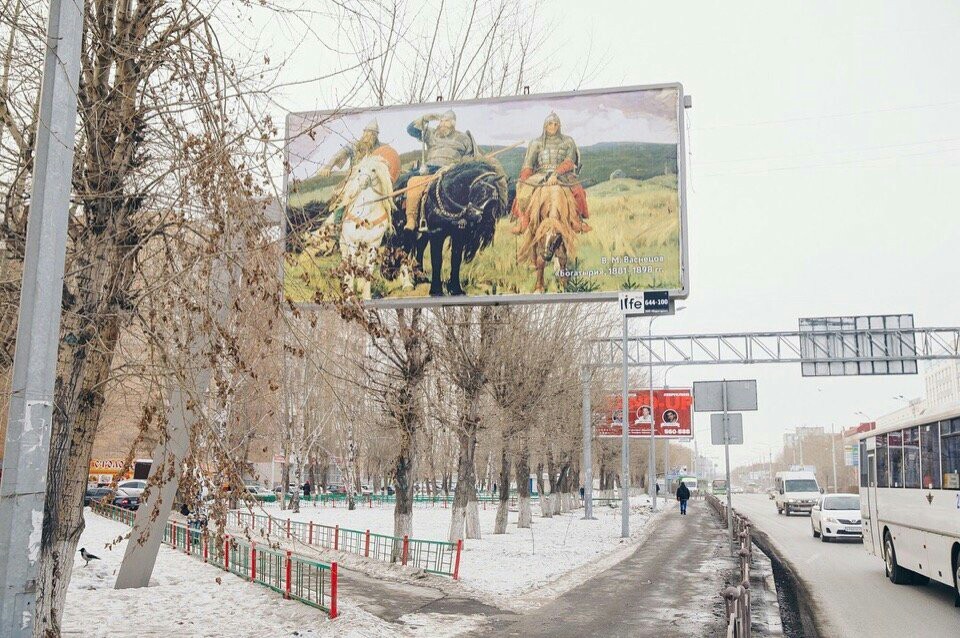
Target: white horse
[(368, 204)]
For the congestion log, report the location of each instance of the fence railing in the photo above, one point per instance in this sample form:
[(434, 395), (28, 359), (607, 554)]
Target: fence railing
[(737, 597), (435, 557), (379, 500), (295, 577)]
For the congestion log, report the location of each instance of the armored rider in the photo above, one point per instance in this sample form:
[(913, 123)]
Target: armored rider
[(443, 146), (369, 142), (552, 158)]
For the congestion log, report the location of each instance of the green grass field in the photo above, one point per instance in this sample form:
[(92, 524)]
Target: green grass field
[(630, 218)]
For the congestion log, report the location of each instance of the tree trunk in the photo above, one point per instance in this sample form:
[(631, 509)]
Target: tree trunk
[(82, 374), (523, 485), (466, 491), (500, 527), (546, 506)]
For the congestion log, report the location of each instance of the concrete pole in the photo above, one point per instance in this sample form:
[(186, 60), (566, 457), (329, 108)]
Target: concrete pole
[(625, 443), (170, 455), (586, 376), (30, 415)]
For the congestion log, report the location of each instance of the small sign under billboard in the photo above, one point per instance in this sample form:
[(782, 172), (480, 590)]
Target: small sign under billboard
[(458, 202), (671, 413)]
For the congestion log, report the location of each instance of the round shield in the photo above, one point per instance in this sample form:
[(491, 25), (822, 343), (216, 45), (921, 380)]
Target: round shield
[(391, 157)]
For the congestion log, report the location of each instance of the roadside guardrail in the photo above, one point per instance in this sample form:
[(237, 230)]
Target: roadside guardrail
[(737, 597)]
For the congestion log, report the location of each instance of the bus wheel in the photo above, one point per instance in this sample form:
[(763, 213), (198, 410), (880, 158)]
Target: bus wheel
[(897, 575)]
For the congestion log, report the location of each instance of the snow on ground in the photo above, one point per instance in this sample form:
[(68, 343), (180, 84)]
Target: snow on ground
[(554, 555), (185, 599)]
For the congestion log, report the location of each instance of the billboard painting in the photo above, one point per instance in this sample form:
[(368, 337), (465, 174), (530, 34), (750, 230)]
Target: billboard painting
[(671, 414), (572, 196)]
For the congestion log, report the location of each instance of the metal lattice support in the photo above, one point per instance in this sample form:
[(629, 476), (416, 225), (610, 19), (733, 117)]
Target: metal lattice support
[(918, 344)]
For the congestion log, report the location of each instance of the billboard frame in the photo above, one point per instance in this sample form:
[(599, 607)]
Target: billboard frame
[(528, 298)]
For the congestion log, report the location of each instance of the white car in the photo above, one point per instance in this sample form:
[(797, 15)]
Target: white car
[(836, 516), (133, 487)]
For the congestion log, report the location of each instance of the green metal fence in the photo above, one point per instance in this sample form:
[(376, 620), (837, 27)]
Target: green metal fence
[(435, 557), (311, 582)]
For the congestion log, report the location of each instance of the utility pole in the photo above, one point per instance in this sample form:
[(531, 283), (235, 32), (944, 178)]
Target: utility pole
[(30, 416), (833, 455)]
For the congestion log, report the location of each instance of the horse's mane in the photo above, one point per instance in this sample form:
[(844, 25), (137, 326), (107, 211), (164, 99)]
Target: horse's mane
[(384, 182), (549, 208)]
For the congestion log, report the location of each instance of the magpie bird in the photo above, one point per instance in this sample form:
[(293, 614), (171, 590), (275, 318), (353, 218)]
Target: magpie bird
[(87, 556)]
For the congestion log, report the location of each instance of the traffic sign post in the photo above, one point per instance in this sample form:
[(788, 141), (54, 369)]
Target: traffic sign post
[(722, 396)]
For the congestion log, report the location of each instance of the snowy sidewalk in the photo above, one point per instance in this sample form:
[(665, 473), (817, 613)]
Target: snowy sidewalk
[(668, 587)]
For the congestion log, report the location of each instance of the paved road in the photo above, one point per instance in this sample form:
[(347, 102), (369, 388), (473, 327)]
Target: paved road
[(852, 595), (668, 587)]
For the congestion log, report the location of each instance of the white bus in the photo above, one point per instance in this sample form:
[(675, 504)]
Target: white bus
[(910, 498)]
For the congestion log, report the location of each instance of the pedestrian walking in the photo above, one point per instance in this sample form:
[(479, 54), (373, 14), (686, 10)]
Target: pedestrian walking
[(306, 490), (683, 495), (494, 489), (581, 492)]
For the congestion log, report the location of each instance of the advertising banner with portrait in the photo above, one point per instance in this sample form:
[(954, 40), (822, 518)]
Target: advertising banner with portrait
[(571, 196), (671, 412)]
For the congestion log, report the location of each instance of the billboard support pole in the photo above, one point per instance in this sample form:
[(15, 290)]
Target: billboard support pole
[(625, 437), (726, 454), (652, 456), (586, 376)]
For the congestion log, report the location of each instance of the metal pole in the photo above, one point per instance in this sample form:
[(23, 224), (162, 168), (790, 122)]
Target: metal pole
[(586, 375), (30, 415), (833, 454), (652, 457), (625, 445), (726, 453)]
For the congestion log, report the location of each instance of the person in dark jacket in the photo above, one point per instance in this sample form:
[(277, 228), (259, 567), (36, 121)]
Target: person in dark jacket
[(683, 495), (306, 490)]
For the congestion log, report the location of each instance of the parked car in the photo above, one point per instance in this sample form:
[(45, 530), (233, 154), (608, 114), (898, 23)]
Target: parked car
[(336, 489), (134, 487), (126, 500), (365, 490), (94, 494), (836, 516)]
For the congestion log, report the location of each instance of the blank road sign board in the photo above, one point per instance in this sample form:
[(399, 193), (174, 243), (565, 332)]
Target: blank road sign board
[(858, 345), (741, 396), (734, 429)]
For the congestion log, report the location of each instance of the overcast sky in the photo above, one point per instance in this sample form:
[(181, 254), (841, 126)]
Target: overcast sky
[(824, 145)]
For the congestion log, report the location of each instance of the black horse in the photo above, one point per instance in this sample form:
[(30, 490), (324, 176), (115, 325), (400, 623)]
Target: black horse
[(463, 204)]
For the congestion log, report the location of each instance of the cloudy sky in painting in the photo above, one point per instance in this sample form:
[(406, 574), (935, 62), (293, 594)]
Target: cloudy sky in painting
[(635, 116)]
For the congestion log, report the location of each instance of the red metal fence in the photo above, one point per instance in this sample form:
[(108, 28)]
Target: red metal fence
[(296, 577), (435, 557)]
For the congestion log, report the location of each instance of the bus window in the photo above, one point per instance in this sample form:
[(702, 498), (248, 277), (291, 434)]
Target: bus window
[(895, 445), (863, 463), (911, 457), (950, 453), (883, 476), (930, 455)]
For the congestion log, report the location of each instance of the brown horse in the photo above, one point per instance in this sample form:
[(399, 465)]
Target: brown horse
[(552, 231)]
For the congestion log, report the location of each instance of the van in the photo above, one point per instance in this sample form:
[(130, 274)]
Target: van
[(796, 492)]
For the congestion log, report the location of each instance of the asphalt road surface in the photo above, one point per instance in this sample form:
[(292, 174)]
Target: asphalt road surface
[(852, 597)]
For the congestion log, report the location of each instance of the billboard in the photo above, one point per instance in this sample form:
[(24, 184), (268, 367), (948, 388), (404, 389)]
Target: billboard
[(569, 196), (671, 414)]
